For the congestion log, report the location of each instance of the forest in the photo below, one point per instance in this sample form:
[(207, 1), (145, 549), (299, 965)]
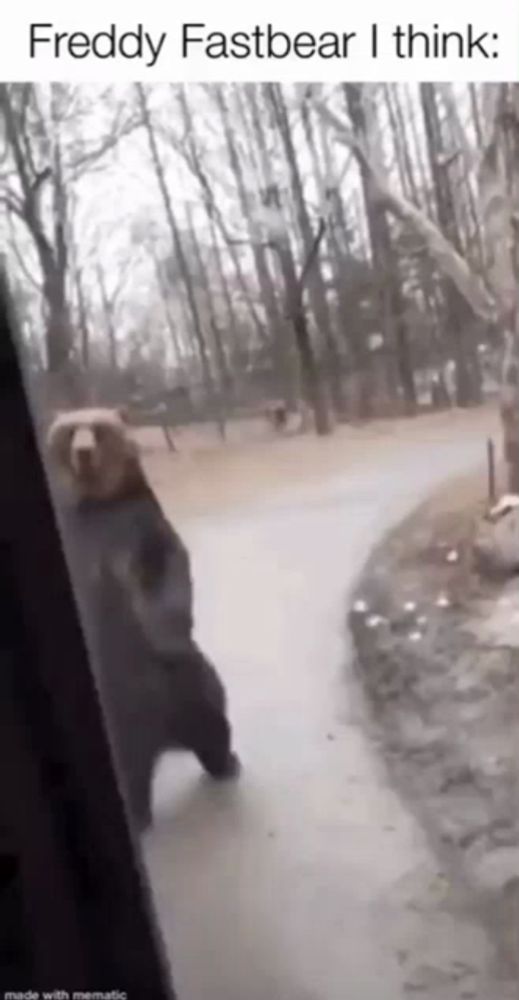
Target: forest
[(198, 251)]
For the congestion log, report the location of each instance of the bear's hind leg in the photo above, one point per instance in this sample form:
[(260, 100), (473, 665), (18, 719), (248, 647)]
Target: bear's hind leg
[(209, 737), (199, 722)]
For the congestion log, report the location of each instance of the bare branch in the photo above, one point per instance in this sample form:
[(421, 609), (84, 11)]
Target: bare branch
[(120, 129), (312, 255), (21, 259), (450, 262), (13, 203)]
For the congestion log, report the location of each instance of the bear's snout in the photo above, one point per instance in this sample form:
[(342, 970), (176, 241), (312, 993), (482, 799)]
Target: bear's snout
[(83, 451)]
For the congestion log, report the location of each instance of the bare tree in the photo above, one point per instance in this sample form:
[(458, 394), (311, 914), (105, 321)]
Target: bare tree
[(33, 172), (493, 298), (192, 155), (294, 286), (391, 305), (180, 255), (328, 181), (287, 358), (204, 283), (264, 277), (458, 312), (293, 269), (36, 191), (83, 318), (316, 288), (109, 302)]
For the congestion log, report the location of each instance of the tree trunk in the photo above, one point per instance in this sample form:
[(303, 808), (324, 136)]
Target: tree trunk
[(510, 412), (285, 356), (391, 305), (82, 320), (62, 369), (459, 317), (360, 400), (402, 150), (313, 387), (108, 313), (232, 322), (410, 190), (409, 110), (328, 196), (267, 290), (170, 323), (476, 119), (196, 165), (316, 288), (505, 167), (225, 378), (471, 236), (180, 257)]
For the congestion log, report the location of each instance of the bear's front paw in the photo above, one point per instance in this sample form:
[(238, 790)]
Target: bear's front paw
[(231, 769)]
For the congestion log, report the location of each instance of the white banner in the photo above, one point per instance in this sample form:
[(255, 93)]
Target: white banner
[(217, 40)]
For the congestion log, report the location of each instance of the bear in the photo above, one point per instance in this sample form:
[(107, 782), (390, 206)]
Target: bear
[(132, 577), (276, 414)]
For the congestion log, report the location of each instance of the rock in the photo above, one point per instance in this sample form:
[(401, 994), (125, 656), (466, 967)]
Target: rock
[(456, 776), (496, 544), (496, 869), (416, 735), (428, 977)]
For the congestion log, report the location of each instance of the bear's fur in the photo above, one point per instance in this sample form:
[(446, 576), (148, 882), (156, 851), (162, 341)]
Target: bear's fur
[(132, 575)]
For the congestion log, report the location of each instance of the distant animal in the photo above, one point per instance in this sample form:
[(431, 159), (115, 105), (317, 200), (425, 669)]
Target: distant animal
[(277, 415), (133, 579)]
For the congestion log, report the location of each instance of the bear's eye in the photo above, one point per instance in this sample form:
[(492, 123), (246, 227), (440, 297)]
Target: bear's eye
[(100, 434), (65, 442)]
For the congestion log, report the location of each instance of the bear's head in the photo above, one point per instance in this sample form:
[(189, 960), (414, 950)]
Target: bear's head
[(93, 454)]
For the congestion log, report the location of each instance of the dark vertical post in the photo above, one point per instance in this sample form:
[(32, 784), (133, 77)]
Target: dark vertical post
[(491, 464)]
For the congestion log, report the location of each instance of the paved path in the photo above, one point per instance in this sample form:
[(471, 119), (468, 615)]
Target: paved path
[(308, 880)]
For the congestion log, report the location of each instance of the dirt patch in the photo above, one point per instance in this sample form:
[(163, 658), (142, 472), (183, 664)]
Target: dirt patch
[(206, 477), (445, 702)]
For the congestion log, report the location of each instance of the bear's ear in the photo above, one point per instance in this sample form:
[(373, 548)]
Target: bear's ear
[(53, 417), (50, 428)]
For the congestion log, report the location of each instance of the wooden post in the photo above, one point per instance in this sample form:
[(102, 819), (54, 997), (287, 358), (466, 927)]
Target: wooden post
[(491, 465), (169, 437)]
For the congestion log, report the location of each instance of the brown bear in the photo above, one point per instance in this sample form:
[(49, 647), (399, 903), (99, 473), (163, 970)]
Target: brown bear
[(276, 414), (131, 573)]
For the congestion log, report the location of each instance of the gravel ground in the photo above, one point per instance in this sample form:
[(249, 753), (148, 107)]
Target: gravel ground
[(444, 696)]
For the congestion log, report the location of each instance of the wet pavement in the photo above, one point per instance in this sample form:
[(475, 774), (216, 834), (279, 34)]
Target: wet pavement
[(308, 879)]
